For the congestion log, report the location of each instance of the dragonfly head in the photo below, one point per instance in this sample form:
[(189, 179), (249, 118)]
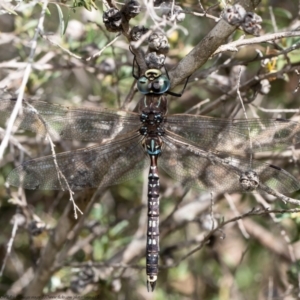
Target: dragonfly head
[(153, 82)]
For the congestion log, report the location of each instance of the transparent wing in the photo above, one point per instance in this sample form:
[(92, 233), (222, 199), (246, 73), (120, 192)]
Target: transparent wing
[(218, 172), (106, 164), (65, 123), (238, 136)]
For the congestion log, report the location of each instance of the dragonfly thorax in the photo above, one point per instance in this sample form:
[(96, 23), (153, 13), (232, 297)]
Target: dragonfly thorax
[(152, 119), (152, 130)]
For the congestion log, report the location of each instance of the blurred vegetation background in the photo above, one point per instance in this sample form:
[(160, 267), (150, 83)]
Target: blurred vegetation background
[(255, 257)]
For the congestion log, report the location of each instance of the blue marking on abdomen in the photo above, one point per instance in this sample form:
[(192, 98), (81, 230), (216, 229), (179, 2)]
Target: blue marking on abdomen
[(156, 152)]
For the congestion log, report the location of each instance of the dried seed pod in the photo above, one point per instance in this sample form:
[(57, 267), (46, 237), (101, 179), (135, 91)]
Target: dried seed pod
[(176, 15), (131, 9), (36, 227), (251, 23), (158, 42), (137, 32), (234, 15), (107, 66), (84, 278), (249, 180), (154, 60), (112, 20)]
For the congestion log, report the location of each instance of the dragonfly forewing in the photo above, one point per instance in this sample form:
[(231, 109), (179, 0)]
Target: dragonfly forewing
[(61, 122), (238, 136)]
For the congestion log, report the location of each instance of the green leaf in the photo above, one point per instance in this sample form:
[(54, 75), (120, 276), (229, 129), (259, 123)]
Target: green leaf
[(119, 228), (281, 12), (62, 28), (47, 11), (10, 11), (67, 22), (88, 4), (294, 56)]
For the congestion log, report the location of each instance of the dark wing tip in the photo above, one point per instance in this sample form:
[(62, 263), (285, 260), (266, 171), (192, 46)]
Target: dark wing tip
[(283, 120)]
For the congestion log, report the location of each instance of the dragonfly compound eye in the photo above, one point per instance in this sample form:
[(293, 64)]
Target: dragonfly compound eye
[(160, 85), (143, 85)]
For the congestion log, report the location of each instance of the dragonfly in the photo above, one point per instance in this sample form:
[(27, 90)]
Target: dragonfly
[(199, 151)]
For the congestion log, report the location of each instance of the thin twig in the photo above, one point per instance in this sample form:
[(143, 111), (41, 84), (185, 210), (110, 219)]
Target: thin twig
[(253, 212), (277, 110), (97, 54), (245, 114), (236, 214), (246, 86), (60, 175), (233, 46), (205, 15), (278, 195), (283, 232), (60, 47), (17, 222), (275, 28), (25, 79)]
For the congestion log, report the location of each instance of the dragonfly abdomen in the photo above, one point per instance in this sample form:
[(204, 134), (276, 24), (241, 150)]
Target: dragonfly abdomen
[(152, 247)]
